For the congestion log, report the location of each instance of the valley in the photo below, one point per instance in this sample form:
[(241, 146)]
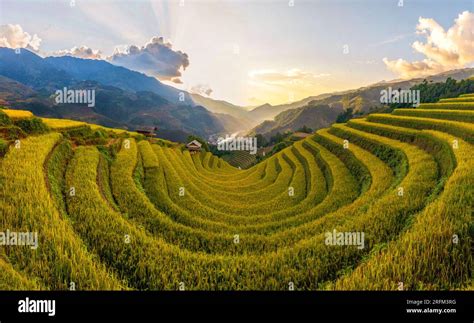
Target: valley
[(242, 160), (114, 210)]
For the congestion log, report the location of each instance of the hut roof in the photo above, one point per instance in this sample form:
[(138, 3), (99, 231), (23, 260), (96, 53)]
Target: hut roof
[(194, 143)]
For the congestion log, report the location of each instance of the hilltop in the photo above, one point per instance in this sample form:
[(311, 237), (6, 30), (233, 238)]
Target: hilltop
[(315, 112), (370, 204), (125, 99)]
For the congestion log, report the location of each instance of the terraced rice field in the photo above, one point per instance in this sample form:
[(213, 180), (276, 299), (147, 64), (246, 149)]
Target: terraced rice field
[(242, 159), (62, 124), (18, 114), (399, 188)]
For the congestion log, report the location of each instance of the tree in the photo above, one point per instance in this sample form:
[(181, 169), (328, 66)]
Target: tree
[(261, 141), (278, 137), (279, 146), (345, 116), (204, 144), (305, 129), (431, 92)]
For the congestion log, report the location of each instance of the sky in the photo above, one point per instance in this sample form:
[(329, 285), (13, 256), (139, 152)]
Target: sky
[(252, 52)]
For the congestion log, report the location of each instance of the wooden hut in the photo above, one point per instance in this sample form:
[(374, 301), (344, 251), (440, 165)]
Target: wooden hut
[(194, 146), (147, 131)]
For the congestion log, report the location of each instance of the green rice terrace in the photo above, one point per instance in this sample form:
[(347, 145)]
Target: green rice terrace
[(239, 158), (114, 210)]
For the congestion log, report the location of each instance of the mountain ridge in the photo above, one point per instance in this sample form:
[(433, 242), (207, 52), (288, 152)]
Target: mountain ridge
[(361, 101), (115, 106)]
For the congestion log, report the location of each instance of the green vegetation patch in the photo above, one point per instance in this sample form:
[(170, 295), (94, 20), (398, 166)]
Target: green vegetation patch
[(32, 126)]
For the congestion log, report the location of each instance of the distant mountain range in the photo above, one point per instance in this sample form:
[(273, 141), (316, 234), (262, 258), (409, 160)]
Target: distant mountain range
[(268, 111), (314, 112), (117, 76), (269, 119), (242, 117), (124, 98), (129, 99), (314, 117)]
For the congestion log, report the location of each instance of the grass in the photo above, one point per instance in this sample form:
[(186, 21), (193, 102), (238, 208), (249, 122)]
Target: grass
[(439, 149), (3, 147), (18, 114), (62, 124), (10, 279), (462, 130), (55, 167), (27, 206), (4, 119), (312, 198), (119, 131), (127, 227), (456, 115), (263, 205), (459, 104), (460, 99), (242, 159), (427, 256)]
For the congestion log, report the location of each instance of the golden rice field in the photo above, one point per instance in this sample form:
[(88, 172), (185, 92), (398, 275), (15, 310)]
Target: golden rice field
[(18, 114), (60, 124), (141, 214)]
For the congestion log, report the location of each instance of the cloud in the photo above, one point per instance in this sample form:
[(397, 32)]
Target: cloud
[(13, 36), (414, 69), (444, 50), (391, 40), (292, 76), (81, 52), (202, 89), (156, 58)]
